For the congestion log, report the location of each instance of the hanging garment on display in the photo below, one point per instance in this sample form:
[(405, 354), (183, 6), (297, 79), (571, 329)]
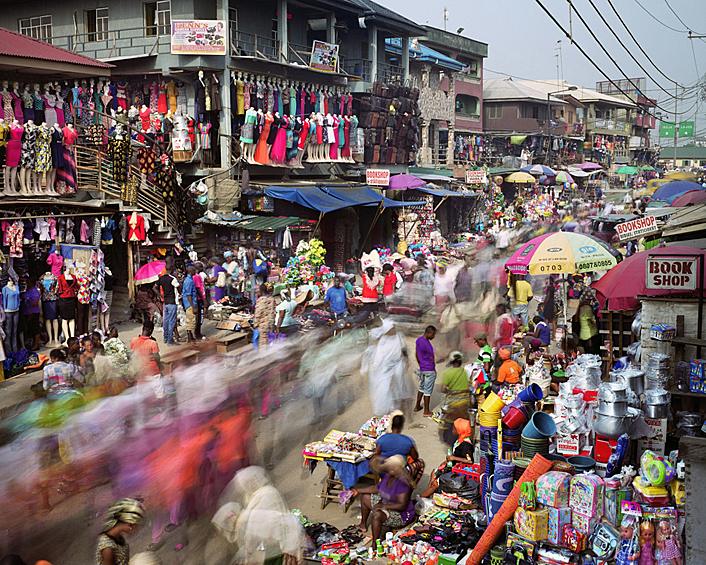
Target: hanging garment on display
[(166, 183), (146, 160), (121, 95), (86, 117), (4, 138), (172, 94), (239, 98), (27, 106), (98, 105), (105, 120), (162, 100), (14, 146), (42, 161), (129, 193), (181, 99), (246, 132), (199, 99), (59, 109), (293, 130), (120, 151), (154, 96), (17, 107), (145, 114), (248, 95), (66, 181), (215, 95), (29, 140), (205, 136), (8, 110), (286, 100), (57, 150), (38, 104), (279, 147), (261, 151)]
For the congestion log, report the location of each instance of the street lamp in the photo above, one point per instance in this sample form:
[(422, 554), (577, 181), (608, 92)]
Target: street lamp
[(549, 119)]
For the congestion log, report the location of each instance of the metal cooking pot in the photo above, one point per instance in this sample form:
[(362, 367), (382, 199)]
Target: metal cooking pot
[(619, 408), (571, 425), (656, 410), (658, 397), (574, 401), (614, 426), (618, 389), (635, 380)]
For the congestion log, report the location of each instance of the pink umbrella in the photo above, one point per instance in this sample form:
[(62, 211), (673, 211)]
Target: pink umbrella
[(150, 272), (405, 182), (589, 166), (691, 197)]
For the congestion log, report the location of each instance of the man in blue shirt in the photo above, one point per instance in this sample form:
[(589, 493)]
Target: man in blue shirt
[(395, 443), (336, 297), (189, 298)]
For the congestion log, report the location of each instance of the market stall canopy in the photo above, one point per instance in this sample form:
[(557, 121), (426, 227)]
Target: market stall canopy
[(309, 197), (405, 182), (691, 219), (589, 166), (563, 253), (259, 223), (626, 170), (671, 190), (619, 287), (28, 56), (538, 170), (366, 196), (520, 177), (443, 192), (578, 173), (691, 197), (563, 176)]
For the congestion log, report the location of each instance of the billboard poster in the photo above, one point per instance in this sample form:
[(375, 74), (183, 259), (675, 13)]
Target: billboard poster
[(199, 37), (324, 57)]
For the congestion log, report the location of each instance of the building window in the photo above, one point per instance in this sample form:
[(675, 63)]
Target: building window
[(158, 20), (466, 104), (38, 27), (686, 163), (569, 117), (274, 34), (233, 24), (495, 111), (96, 24), (702, 163)]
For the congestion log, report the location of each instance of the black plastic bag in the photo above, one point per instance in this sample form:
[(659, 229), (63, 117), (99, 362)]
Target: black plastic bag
[(451, 483)]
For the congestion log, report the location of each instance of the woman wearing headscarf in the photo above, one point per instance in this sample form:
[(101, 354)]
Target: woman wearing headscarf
[(390, 500), (124, 517), (462, 452), (256, 522), (457, 401)]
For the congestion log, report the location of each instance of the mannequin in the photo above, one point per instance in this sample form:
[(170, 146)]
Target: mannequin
[(57, 158), (66, 174), (68, 290), (42, 160), (27, 157), (4, 138), (12, 160), (11, 303), (38, 105), (17, 102), (8, 111), (48, 290), (75, 91), (247, 144), (27, 104), (50, 100)]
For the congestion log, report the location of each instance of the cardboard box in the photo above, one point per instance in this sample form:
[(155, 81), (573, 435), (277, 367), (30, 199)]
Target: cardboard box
[(558, 517), (601, 469), (570, 444), (697, 385), (659, 429), (573, 539), (698, 369), (659, 447), (662, 332), (532, 524), (613, 498)]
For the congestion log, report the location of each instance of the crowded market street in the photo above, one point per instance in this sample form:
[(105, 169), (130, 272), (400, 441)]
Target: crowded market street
[(309, 283)]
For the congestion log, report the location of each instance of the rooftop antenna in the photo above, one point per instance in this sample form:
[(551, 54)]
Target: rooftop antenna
[(445, 15)]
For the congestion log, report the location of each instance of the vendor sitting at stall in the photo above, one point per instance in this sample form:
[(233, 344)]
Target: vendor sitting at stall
[(284, 321), (395, 443), (390, 500), (542, 333), (457, 403), (462, 452), (509, 372)]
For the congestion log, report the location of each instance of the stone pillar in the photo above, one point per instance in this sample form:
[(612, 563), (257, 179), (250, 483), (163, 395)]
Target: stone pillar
[(331, 28), (226, 123), (450, 146), (373, 43), (405, 57), (282, 32)]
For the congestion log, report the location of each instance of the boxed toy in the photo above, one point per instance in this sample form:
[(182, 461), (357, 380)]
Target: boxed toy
[(662, 332), (587, 495), (573, 539), (613, 498), (553, 489), (698, 368), (532, 524), (558, 518), (584, 524)]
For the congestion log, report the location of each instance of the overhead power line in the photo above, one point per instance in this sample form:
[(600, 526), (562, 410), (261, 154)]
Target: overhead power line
[(606, 52), (637, 43), (610, 28), (680, 20), (657, 19)]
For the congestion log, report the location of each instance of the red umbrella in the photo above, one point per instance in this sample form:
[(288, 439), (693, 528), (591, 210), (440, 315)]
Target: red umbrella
[(691, 197), (619, 286)]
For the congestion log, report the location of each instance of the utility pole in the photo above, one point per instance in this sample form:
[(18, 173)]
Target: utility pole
[(676, 94)]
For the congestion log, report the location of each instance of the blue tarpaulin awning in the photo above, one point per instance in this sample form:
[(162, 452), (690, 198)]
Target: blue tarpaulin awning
[(442, 192), (309, 197), (366, 196)]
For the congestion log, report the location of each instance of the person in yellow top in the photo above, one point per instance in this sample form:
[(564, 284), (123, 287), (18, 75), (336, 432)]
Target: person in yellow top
[(588, 328), (520, 294)]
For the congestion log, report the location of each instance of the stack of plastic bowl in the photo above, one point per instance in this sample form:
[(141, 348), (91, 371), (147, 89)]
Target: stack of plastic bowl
[(521, 463), (537, 433), (511, 440)]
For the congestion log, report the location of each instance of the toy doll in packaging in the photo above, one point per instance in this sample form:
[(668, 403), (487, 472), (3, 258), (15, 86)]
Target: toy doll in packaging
[(647, 543), (628, 551), (667, 551)]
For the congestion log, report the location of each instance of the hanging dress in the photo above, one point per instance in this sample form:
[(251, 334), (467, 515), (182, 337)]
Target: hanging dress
[(8, 110), (60, 110), (14, 146), (42, 160), (29, 145), (66, 175), (246, 132), (84, 100), (271, 136), (333, 150), (279, 148), (39, 117), (261, 155), (106, 99), (162, 100), (27, 106), (293, 131), (154, 97)]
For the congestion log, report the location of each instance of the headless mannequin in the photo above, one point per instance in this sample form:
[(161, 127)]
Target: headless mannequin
[(68, 326), (11, 172), (11, 320), (26, 178), (6, 171), (51, 173), (52, 326), (37, 176)]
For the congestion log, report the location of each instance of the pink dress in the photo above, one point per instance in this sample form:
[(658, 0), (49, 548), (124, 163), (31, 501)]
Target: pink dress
[(17, 105), (14, 146), (279, 149), (333, 151)]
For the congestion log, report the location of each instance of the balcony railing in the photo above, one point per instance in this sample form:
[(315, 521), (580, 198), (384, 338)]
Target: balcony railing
[(358, 68), (390, 73), (111, 44), (298, 54), (250, 45)]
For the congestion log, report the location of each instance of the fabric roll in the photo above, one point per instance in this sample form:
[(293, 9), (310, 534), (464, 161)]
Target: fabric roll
[(538, 466)]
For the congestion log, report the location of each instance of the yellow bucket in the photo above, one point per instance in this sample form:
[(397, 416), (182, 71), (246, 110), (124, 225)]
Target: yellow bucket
[(493, 403), (489, 419)]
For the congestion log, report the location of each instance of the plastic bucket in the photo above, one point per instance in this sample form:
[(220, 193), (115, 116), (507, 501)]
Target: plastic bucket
[(515, 418), (493, 403), (541, 426), (581, 463), (533, 393)]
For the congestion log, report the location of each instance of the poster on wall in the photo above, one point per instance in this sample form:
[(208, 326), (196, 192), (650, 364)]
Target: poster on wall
[(324, 57), (199, 37)]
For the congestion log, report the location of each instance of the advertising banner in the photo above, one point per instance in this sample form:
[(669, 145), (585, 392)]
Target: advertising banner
[(637, 228), (671, 273), (199, 37), (324, 57)]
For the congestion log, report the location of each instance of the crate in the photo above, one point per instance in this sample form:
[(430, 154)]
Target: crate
[(470, 471), (182, 156)]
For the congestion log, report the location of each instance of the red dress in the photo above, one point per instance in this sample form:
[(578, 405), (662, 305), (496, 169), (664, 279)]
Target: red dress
[(162, 102), (14, 146), (261, 153)]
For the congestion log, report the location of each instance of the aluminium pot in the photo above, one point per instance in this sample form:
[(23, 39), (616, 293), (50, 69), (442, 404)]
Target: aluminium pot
[(617, 408), (656, 410), (613, 427), (635, 380)]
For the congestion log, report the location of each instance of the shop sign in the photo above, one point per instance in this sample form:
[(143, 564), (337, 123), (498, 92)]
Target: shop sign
[(476, 177), (637, 228), (324, 56), (671, 273), (377, 177), (199, 37)]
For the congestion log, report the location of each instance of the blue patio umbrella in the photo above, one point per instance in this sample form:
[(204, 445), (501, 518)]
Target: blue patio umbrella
[(538, 170), (671, 190)]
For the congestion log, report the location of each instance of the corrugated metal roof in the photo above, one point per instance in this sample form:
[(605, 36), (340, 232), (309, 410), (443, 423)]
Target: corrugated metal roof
[(267, 223), (14, 44)]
